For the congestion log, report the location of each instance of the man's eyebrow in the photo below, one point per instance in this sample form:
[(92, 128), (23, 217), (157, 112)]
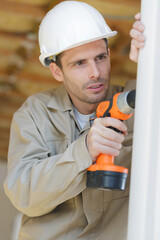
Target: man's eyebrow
[(75, 61), (102, 54), (83, 59)]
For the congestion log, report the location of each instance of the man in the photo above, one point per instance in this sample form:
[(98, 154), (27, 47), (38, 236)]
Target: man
[(52, 142)]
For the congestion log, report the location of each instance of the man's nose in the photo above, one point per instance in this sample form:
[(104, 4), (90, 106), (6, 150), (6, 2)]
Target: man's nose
[(93, 71)]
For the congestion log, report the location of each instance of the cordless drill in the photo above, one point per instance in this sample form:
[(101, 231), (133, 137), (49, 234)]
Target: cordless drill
[(104, 174)]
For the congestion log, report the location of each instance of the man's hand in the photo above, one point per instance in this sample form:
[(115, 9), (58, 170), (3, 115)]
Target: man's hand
[(101, 139), (138, 38)]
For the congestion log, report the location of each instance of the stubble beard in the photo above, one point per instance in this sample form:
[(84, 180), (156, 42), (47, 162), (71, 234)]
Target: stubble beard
[(83, 97), (100, 97)]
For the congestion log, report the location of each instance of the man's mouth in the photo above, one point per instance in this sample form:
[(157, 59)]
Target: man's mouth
[(97, 86)]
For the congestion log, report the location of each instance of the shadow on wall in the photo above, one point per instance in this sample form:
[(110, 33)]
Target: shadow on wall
[(9, 216)]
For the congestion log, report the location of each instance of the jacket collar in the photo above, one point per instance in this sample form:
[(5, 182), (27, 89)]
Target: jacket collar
[(60, 99)]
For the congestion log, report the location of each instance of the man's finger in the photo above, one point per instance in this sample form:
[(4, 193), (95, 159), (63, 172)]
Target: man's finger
[(133, 55), (138, 26), (138, 16)]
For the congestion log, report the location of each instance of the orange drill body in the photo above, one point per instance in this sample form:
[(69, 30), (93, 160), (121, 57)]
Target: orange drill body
[(111, 109), (104, 174)]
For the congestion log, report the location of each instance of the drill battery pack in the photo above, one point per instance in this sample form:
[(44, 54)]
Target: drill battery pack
[(108, 180)]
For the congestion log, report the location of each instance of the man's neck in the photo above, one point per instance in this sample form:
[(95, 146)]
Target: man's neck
[(86, 108)]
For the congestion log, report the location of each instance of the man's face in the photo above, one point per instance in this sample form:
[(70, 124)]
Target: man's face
[(86, 73)]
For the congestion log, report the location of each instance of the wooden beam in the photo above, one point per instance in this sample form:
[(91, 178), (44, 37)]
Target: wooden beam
[(127, 2), (10, 42), (28, 87), (31, 2), (19, 17), (21, 9), (116, 9)]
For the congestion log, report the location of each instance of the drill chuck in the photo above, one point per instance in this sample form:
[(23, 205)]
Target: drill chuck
[(126, 102)]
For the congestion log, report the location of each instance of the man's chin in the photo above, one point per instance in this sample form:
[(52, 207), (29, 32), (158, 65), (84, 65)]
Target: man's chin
[(97, 99)]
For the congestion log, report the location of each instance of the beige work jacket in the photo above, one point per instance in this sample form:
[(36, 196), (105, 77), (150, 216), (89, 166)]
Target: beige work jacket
[(46, 178)]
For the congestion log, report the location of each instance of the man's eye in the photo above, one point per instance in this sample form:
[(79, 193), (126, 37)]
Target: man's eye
[(79, 63), (101, 57)]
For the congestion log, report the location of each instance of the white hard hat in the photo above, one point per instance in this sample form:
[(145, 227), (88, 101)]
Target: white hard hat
[(70, 24)]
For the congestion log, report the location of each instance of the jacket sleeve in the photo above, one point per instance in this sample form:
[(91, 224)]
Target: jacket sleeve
[(36, 181)]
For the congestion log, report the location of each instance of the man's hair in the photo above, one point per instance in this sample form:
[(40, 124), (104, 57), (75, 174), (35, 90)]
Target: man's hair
[(48, 60)]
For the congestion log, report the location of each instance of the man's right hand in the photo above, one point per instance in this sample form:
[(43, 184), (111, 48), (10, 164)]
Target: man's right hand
[(101, 139)]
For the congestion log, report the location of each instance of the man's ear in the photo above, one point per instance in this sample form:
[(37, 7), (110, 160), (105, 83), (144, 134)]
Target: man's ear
[(56, 72), (109, 52)]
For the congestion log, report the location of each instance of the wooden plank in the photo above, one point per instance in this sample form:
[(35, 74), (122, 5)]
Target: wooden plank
[(31, 2), (28, 87), (10, 42), (127, 2), (10, 101), (5, 124), (116, 9), (4, 136), (19, 17), (16, 23), (16, 8)]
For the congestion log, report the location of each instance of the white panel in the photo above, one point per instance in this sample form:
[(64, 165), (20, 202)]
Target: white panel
[(144, 208)]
